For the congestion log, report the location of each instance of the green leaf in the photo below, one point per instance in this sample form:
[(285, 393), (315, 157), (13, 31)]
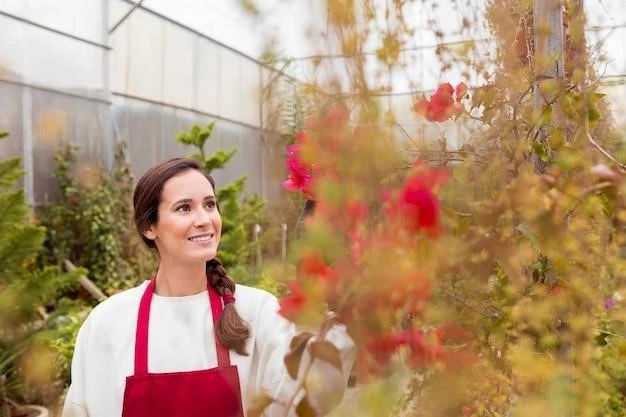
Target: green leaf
[(218, 160), (13, 209), (529, 234), (326, 351), (10, 172)]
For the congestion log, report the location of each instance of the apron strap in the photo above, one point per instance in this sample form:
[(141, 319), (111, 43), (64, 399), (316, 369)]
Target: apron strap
[(143, 320), (141, 338)]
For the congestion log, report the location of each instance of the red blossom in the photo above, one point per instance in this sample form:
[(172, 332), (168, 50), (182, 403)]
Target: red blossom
[(300, 177), (416, 204), (451, 333), (443, 105), (312, 264), (294, 302), (422, 350)]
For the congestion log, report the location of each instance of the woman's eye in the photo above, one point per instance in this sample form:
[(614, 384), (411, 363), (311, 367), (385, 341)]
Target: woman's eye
[(184, 207), (210, 204)]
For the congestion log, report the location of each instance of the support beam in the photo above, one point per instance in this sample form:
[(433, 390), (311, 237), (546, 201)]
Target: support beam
[(549, 63)]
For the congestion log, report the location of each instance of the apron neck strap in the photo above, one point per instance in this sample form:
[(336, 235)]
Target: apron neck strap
[(143, 320)]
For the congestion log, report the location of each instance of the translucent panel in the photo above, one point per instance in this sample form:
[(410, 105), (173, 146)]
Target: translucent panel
[(117, 10), (178, 79), (144, 56), (250, 93), (120, 59), (605, 12), (607, 47), (81, 18), (11, 120), (229, 84), (615, 95), (36, 56), (57, 119), (207, 77), (140, 124)]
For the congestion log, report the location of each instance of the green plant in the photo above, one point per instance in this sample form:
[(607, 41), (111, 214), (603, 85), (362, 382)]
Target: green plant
[(239, 214), (91, 225), (25, 288)]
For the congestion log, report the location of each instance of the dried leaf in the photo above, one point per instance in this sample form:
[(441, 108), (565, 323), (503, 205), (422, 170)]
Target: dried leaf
[(304, 409), (326, 351), (293, 358), (259, 404)]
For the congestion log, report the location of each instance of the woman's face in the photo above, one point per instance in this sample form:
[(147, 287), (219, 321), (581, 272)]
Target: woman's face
[(189, 225)]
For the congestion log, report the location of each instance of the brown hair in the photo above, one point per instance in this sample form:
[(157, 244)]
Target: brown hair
[(231, 330)]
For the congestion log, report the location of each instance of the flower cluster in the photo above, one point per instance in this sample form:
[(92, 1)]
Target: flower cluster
[(444, 104)]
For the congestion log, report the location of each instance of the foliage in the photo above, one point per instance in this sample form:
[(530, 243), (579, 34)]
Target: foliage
[(25, 290), (91, 224), (500, 289), (236, 246)]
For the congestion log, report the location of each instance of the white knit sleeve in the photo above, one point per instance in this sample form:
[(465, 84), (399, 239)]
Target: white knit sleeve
[(75, 404), (325, 384)]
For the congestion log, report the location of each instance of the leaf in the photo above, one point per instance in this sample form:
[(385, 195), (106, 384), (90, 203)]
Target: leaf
[(529, 234), (304, 409), (326, 351), (293, 358), (259, 404)]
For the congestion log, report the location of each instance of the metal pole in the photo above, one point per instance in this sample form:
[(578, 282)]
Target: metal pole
[(135, 7), (257, 234), (283, 242), (107, 131)]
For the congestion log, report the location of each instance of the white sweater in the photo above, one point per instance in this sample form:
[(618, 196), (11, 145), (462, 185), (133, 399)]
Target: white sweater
[(181, 338)]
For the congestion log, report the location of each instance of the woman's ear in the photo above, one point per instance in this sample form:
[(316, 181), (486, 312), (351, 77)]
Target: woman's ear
[(150, 233)]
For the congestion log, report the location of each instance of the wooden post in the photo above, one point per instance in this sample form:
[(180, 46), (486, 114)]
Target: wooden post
[(549, 47), (257, 240), (283, 242)]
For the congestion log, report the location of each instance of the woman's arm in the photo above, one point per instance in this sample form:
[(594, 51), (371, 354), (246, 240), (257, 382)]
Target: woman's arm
[(74, 405), (323, 384)]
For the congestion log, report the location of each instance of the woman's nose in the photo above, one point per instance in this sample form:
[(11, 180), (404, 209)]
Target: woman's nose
[(202, 218)]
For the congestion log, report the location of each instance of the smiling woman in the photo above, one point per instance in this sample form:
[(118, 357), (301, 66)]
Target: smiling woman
[(189, 341)]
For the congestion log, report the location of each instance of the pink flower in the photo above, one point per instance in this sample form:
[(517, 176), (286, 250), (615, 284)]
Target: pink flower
[(299, 175)]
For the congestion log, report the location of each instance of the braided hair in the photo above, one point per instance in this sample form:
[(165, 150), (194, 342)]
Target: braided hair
[(231, 330)]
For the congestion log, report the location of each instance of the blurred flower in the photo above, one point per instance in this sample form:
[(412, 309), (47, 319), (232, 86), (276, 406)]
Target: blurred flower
[(294, 302), (300, 177), (417, 205), (443, 105), (610, 302)]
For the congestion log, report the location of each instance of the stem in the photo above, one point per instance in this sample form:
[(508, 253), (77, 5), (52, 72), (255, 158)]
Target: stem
[(604, 152), (326, 325)]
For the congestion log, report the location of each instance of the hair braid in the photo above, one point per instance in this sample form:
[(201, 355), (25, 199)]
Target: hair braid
[(231, 330)]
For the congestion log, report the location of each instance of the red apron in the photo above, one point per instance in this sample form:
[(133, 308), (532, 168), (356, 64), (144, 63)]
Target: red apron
[(209, 392)]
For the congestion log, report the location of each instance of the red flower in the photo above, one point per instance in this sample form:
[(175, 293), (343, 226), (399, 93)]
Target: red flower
[(293, 303), (422, 351), (311, 264), (300, 177), (417, 206), (451, 333), (442, 105)]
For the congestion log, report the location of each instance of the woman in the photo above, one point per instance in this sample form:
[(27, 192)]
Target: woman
[(190, 342)]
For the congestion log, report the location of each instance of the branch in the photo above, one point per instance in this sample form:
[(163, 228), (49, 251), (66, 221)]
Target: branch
[(586, 192), (324, 328), (464, 303), (620, 165)]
